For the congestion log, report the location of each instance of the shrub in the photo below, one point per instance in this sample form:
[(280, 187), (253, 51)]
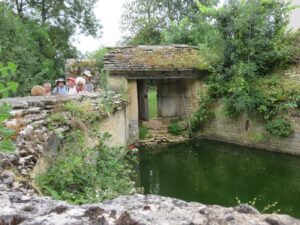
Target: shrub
[(81, 175), (203, 113), (279, 127), (174, 128), (83, 110), (58, 118)]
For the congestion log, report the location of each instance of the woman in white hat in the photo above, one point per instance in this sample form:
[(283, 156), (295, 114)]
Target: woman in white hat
[(80, 84), (89, 87)]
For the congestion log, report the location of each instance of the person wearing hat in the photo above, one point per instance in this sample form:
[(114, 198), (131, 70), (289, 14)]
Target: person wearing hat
[(60, 88), (80, 85), (89, 87), (71, 86)]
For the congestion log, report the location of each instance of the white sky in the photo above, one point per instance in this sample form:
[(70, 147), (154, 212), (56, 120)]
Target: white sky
[(109, 12)]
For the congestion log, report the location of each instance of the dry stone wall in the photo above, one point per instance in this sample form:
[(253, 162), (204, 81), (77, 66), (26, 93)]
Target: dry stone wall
[(34, 139)]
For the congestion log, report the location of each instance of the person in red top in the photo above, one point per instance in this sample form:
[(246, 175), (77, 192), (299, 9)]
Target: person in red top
[(71, 86)]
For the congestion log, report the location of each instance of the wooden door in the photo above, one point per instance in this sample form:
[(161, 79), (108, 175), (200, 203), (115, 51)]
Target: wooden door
[(169, 98)]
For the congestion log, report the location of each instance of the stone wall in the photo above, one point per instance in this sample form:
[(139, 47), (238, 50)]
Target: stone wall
[(116, 125), (35, 141), (251, 132)]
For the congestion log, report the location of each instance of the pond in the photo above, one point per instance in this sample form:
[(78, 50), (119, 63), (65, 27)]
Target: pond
[(217, 173)]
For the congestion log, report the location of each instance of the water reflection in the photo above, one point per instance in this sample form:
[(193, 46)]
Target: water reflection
[(217, 173)]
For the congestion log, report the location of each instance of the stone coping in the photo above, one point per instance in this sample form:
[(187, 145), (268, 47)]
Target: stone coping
[(28, 101)]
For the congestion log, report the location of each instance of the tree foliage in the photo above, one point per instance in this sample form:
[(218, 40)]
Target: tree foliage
[(36, 35), (144, 21), (253, 32), (67, 15)]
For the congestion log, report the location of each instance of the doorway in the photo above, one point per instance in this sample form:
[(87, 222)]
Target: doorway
[(147, 99)]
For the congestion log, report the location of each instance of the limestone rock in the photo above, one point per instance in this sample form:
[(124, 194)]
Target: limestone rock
[(127, 210)]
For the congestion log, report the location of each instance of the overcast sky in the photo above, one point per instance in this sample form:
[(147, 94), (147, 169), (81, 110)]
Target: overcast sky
[(109, 12)]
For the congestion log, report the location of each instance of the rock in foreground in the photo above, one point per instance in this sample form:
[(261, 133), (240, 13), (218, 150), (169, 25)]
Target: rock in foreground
[(16, 208)]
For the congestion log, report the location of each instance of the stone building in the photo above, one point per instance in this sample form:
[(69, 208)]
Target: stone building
[(176, 70)]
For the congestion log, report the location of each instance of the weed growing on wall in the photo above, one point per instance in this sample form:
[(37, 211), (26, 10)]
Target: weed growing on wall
[(144, 132), (270, 208), (87, 175), (203, 113), (83, 110), (6, 87), (174, 128), (279, 127)]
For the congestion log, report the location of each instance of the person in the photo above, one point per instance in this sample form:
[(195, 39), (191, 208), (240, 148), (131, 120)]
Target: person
[(37, 90), (71, 86), (47, 88), (60, 88), (80, 85), (89, 87)]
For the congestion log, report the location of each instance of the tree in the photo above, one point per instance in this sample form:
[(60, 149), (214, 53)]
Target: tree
[(143, 21), (70, 14), (139, 15), (253, 32)]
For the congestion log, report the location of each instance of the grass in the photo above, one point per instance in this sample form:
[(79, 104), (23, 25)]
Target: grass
[(152, 98), (144, 132)]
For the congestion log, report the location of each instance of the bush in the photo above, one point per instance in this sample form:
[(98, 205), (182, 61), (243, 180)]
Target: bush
[(81, 175), (174, 128), (83, 110), (279, 127), (203, 113)]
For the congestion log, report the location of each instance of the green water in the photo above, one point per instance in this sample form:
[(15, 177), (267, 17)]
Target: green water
[(216, 173)]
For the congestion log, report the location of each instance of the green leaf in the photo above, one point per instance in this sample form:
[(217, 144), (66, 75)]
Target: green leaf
[(52, 192), (4, 72), (13, 86), (5, 132), (4, 112), (12, 67), (7, 146)]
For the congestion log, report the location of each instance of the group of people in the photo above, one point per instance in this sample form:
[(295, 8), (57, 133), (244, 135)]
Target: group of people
[(79, 85)]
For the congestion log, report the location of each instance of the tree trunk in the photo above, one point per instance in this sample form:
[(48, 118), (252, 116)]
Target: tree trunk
[(43, 11), (19, 5)]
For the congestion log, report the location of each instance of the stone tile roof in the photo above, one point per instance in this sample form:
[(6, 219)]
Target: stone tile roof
[(154, 58)]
